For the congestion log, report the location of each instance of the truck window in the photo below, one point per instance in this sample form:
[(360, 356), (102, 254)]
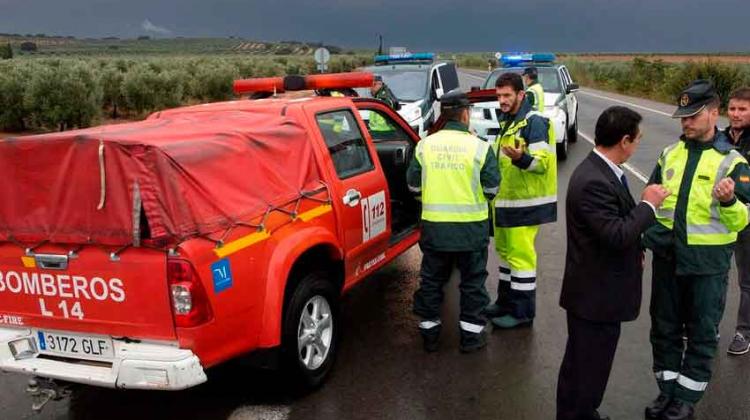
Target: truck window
[(435, 83), (345, 143), (382, 127), (449, 76)]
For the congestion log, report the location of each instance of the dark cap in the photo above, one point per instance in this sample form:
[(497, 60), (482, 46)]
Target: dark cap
[(530, 71), (377, 78), (695, 98), (455, 99)]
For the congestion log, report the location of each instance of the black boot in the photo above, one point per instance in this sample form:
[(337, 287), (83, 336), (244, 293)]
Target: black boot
[(658, 406), (471, 342), (430, 338), (679, 410)]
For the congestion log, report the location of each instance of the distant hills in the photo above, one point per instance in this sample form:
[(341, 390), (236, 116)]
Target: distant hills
[(53, 45)]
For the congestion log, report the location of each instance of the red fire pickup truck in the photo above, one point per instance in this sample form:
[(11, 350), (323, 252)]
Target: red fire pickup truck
[(138, 255)]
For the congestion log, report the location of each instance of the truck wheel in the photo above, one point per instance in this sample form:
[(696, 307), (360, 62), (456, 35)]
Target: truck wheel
[(573, 131), (311, 325), (562, 149)]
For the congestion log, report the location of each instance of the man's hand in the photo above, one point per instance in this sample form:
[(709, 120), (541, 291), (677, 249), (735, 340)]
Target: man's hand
[(724, 190), (514, 153), (655, 194)]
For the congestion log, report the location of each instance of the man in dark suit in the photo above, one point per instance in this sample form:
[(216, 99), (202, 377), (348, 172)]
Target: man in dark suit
[(604, 262)]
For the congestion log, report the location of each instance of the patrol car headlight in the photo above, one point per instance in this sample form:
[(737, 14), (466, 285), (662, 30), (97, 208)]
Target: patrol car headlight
[(477, 113), (24, 348)]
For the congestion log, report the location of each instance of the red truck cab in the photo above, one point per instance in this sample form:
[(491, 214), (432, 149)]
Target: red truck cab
[(139, 255)]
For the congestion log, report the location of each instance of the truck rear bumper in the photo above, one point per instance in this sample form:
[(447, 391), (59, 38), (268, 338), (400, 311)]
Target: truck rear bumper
[(154, 366)]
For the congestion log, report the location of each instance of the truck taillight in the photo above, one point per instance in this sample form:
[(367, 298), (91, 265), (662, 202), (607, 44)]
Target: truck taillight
[(190, 304)]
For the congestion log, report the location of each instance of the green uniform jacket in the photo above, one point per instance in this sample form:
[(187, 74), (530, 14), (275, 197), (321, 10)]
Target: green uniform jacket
[(385, 95), (457, 236), (672, 244)]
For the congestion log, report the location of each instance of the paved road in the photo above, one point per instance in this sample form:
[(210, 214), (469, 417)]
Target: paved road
[(383, 374)]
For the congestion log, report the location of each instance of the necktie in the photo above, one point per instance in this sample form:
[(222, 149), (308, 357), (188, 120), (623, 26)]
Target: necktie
[(624, 181)]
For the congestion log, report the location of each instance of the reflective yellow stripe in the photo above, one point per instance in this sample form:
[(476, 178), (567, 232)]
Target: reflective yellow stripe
[(241, 243), (29, 262), (316, 212), (254, 238)]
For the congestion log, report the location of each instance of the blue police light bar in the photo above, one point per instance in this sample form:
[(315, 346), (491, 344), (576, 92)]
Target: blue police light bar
[(382, 59), (515, 59)]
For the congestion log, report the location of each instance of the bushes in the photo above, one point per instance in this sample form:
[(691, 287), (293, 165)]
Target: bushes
[(214, 82), (13, 81), (63, 93), (62, 98), (146, 90), (656, 79), (725, 78), (6, 52)]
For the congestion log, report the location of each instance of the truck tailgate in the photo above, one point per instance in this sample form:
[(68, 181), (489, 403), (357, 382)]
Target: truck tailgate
[(89, 293)]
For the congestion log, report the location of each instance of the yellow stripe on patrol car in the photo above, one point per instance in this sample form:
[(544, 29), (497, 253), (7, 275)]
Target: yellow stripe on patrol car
[(29, 262), (316, 212), (242, 243)]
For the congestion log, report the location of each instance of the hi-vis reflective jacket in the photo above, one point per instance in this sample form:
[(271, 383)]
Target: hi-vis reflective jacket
[(452, 162), (708, 222), (528, 193), (538, 92)]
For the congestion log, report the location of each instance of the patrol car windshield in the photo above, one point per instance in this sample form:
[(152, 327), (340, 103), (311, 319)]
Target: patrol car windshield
[(408, 86), (547, 77)]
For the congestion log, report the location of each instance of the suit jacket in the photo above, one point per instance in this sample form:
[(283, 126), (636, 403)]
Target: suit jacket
[(604, 261)]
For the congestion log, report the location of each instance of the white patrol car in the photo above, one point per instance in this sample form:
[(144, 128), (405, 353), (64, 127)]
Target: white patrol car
[(418, 82), (561, 105)]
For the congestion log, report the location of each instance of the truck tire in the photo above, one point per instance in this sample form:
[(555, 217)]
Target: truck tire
[(310, 330), (573, 131), (562, 149)]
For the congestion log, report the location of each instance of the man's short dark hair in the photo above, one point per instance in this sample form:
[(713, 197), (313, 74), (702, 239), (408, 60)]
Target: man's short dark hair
[(513, 80), (532, 72), (741, 94), (452, 114), (615, 123)]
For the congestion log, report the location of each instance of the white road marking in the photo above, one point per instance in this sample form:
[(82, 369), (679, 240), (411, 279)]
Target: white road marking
[(638, 174), (656, 111)]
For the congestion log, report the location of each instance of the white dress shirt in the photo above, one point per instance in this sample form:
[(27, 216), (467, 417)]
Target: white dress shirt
[(618, 172)]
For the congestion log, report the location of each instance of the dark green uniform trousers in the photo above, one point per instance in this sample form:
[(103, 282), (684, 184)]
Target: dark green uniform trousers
[(436, 271), (689, 305)]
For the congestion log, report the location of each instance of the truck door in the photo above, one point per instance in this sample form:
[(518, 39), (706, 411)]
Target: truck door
[(436, 91), (360, 194), (570, 97)]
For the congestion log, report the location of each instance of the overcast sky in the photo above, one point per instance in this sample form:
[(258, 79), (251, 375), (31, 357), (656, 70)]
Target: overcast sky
[(442, 25)]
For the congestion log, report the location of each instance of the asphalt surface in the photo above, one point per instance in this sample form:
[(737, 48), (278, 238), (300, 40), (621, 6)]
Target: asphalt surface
[(382, 372)]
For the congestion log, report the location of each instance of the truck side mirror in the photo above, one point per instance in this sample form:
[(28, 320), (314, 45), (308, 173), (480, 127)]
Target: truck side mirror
[(572, 87), (438, 93)]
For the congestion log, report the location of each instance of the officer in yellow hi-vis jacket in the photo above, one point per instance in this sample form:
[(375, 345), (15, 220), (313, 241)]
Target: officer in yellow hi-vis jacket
[(534, 89), (456, 174), (692, 245), (527, 199)]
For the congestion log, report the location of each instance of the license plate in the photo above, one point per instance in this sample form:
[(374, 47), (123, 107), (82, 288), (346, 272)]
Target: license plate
[(74, 345)]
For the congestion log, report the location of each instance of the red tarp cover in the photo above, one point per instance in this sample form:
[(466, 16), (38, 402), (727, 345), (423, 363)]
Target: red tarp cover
[(197, 173)]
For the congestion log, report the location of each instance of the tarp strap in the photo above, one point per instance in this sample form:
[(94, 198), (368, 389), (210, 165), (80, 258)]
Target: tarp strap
[(137, 203), (102, 177)]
